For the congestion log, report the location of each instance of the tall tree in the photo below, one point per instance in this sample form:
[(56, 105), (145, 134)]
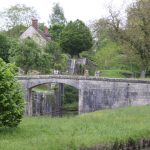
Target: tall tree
[(18, 15), (75, 38), (57, 17), (57, 22), (138, 32), (101, 30)]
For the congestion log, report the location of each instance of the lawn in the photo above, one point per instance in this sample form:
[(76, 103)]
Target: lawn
[(101, 127)]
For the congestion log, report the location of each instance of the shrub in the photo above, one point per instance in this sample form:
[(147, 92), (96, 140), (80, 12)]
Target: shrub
[(11, 98)]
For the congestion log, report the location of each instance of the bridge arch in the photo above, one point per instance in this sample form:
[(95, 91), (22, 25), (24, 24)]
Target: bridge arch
[(30, 82), (33, 82)]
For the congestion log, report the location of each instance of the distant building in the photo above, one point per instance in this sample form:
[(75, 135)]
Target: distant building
[(36, 34)]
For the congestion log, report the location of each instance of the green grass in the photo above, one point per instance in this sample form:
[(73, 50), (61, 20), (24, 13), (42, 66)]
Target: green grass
[(116, 73), (106, 126), (71, 106)]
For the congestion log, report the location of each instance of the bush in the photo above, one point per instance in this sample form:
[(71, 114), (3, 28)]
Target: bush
[(11, 98)]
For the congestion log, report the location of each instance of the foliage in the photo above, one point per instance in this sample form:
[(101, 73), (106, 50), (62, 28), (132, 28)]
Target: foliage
[(18, 15), (4, 48), (101, 30), (112, 73), (53, 48), (71, 94), (75, 38), (138, 31), (44, 63), (26, 54), (56, 31), (108, 56), (16, 31), (59, 60), (112, 44), (86, 131), (57, 17), (11, 98)]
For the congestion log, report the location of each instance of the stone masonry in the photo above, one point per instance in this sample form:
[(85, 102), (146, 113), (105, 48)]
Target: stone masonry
[(94, 93)]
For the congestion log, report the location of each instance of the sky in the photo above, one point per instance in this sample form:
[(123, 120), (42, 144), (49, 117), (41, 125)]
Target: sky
[(85, 10)]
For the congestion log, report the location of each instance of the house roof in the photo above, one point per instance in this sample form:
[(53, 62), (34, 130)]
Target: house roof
[(46, 36)]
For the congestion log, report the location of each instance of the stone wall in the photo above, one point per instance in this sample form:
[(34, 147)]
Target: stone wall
[(77, 66), (95, 95), (46, 103), (42, 103)]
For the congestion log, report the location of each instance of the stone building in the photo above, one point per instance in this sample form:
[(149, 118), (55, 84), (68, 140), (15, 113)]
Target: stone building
[(36, 34)]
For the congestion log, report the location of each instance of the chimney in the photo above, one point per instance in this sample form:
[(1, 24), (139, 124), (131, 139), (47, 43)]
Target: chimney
[(35, 23)]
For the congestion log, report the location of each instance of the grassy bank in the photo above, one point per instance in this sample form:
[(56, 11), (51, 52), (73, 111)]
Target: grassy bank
[(106, 126)]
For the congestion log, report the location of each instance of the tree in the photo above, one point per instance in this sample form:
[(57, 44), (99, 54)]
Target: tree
[(26, 54), (138, 32), (57, 22), (57, 17), (18, 15), (44, 63), (115, 30), (56, 31), (75, 38), (16, 31), (101, 30), (4, 48), (58, 60), (11, 98), (29, 56)]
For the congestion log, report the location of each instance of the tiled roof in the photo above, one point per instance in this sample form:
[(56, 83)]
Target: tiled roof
[(46, 36)]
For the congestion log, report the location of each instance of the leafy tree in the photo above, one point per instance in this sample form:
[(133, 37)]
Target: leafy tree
[(11, 98), (58, 59), (57, 22), (75, 38), (4, 48), (18, 15), (53, 49), (57, 17), (56, 31), (44, 63), (16, 31), (111, 52), (26, 54), (138, 32), (101, 31)]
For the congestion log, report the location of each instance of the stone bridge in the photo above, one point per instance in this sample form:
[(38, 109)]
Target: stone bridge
[(94, 92)]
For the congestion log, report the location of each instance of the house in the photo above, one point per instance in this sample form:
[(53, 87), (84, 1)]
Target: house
[(36, 34)]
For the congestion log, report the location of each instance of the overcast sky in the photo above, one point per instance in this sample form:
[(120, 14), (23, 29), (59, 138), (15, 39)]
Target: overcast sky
[(85, 10)]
